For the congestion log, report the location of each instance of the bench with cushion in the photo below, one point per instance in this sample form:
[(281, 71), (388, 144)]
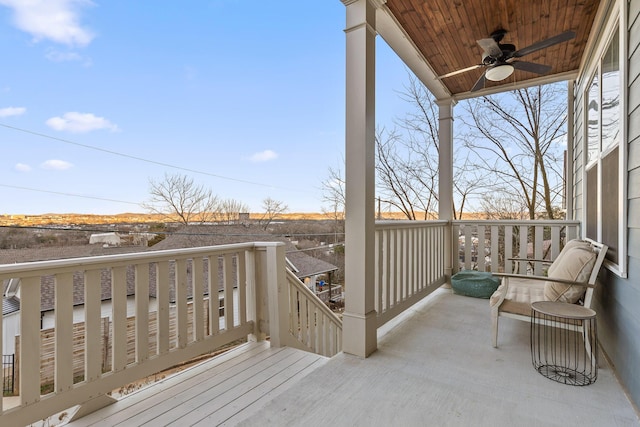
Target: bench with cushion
[(571, 278)]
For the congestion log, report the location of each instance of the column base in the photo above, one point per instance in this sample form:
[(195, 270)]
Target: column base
[(359, 333)]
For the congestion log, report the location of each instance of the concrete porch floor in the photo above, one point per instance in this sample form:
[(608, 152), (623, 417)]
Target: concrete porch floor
[(435, 366)]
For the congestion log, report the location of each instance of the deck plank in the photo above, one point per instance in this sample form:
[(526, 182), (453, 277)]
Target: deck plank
[(184, 400), (214, 410), (255, 404), (212, 394), (222, 366)]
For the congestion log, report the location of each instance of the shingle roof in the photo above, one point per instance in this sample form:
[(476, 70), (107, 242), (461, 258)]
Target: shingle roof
[(12, 256), (308, 266), (10, 305), (194, 236), (211, 235)]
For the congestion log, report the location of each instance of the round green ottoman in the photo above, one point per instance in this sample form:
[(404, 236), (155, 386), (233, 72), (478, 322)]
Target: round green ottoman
[(473, 283)]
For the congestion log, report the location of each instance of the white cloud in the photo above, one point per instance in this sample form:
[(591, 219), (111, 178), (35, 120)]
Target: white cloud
[(58, 165), (55, 20), (12, 111), (264, 156), (80, 122), (59, 56), (21, 167)]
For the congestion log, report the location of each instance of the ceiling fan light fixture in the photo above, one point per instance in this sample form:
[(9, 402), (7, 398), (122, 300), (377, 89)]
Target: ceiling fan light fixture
[(499, 72)]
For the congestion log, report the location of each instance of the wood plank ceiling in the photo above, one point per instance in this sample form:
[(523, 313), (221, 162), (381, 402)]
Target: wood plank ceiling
[(445, 31)]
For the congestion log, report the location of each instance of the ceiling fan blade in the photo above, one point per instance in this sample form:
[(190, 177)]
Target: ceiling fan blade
[(567, 35), (464, 70), (531, 67), (479, 84), (490, 47)]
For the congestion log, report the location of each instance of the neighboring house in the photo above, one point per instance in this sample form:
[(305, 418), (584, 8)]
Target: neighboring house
[(309, 269), (10, 315)]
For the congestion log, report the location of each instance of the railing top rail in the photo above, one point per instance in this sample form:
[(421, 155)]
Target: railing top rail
[(30, 268), (550, 222), (405, 223)]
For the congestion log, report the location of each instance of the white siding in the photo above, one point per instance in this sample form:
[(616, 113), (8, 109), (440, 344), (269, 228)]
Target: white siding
[(10, 328), (48, 318)]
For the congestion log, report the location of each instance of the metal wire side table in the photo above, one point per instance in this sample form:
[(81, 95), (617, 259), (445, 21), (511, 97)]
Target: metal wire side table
[(564, 342)]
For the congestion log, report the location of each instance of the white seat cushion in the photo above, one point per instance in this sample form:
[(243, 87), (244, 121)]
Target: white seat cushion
[(520, 294)]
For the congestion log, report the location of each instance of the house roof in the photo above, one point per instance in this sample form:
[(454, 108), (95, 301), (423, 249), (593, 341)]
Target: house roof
[(193, 236), (213, 235), (443, 35), (12, 256), (308, 266)]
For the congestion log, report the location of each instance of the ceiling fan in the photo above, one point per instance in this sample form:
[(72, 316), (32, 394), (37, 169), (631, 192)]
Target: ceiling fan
[(500, 59)]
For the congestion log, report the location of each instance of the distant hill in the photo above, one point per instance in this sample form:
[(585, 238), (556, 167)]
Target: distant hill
[(128, 218)]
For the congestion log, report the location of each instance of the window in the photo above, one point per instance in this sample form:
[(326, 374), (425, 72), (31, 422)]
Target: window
[(603, 129)]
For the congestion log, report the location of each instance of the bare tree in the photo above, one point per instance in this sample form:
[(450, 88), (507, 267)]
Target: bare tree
[(407, 162), (272, 208), (230, 210), (404, 180), (503, 205), (517, 138), (178, 196), (333, 193)]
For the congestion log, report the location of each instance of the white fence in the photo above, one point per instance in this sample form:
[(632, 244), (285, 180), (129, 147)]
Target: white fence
[(410, 264), (252, 275)]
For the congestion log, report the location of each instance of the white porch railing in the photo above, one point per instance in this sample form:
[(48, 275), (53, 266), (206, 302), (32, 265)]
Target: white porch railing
[(489, 245), (312, 325), (410, 264), (187, 323)]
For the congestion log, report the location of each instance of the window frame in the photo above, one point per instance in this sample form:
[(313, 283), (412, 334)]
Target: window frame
[(614, 23)]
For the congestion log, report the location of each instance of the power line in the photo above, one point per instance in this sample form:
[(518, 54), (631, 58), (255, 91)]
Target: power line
[(67, 194), (141, 159)]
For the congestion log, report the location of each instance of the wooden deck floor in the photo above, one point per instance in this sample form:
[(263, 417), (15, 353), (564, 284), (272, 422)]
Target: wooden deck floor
[(226, 389), (433, 367)]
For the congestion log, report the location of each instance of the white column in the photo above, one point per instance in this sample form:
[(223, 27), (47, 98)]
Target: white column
[(359, 319), (445, 180)]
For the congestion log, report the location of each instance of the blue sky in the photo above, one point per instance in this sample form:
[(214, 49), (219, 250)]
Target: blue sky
[(247, 96)]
